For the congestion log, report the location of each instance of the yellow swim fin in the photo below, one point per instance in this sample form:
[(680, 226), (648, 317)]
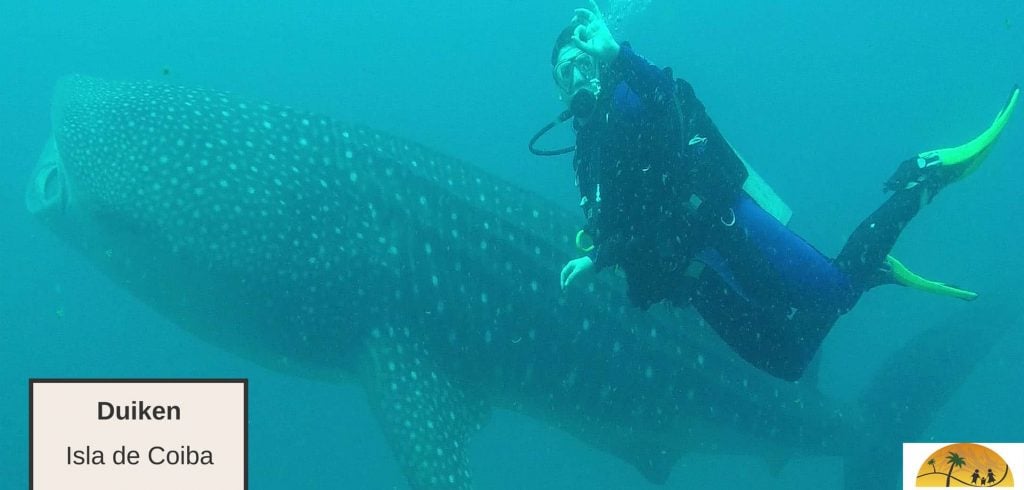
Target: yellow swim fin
[(937, 168), (968, 157), (904, 277)]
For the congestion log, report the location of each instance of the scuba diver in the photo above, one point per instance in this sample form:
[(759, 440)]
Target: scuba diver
[(669, 202)]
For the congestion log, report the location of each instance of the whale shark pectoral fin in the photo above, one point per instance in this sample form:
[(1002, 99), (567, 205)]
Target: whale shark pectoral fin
[(426, 418)]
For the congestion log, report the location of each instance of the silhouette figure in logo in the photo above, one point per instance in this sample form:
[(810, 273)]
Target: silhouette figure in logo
[(991, 477), (975, 476)]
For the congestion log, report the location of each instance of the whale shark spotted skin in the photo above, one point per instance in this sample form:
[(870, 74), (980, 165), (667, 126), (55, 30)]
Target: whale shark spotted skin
[(334, 251)]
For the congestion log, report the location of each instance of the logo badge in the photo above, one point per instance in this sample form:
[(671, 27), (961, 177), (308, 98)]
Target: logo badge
[(961, 465)]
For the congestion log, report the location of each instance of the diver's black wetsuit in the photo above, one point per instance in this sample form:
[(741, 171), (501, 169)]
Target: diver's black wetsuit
[(662, 193)]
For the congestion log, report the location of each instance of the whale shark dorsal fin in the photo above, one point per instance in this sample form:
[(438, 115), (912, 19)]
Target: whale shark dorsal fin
[(425, 417)]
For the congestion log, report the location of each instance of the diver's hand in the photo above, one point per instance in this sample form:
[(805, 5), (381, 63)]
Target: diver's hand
[(574, 268), (592, 35)]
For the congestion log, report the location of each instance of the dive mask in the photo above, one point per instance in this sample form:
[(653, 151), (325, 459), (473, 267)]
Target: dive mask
[(579, 79), (565, 70)]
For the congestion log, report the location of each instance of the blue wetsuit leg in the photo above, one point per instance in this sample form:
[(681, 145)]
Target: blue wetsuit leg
[(768, 293)]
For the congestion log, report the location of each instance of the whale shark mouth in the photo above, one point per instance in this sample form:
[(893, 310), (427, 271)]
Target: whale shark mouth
[(47, 188)]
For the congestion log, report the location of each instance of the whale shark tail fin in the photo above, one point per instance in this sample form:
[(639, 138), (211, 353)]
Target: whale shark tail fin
[(916, 382)]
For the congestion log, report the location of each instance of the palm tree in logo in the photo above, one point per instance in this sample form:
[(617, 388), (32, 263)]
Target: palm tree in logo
[(955, 461), (932, 462)]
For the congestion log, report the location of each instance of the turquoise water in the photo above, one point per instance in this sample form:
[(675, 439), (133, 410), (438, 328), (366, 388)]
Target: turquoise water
[(824, 98)]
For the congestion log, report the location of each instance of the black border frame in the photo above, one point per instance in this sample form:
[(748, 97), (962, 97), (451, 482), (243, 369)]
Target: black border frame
[(245, 410)]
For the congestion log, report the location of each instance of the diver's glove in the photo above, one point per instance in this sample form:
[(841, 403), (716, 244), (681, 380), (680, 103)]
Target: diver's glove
[(574, 268), (592, 35)]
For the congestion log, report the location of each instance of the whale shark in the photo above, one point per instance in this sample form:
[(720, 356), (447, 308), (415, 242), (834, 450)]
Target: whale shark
[(337, 252)]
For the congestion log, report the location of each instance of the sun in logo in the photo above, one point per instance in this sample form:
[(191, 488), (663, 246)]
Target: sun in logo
[(965, 465)]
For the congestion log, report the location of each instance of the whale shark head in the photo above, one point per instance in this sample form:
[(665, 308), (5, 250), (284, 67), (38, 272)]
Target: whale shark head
[(181, 194), (179, 167)]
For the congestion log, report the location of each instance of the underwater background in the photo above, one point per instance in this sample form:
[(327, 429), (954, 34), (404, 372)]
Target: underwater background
[(824, 98)]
